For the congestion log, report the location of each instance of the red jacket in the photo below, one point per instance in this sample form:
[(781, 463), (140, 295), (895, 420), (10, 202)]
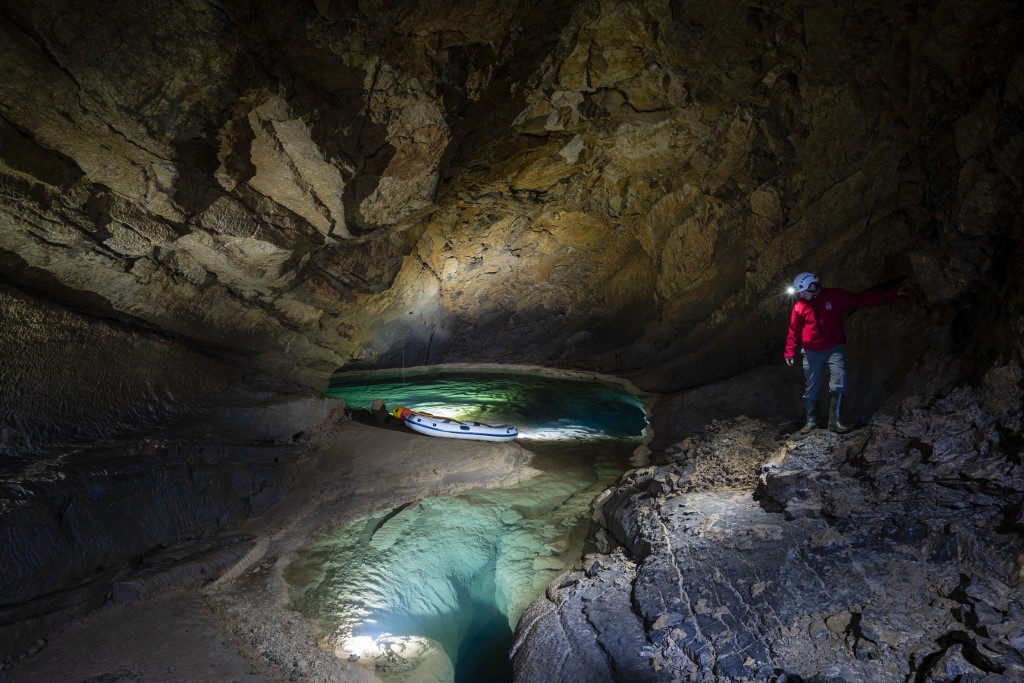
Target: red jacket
[(818, 323)]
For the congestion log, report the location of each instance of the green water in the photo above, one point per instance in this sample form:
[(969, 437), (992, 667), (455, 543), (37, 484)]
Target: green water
[(541, 406), (442, 581)]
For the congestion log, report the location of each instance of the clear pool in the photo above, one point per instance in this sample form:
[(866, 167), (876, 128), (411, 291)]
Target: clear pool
[(542, 406), (432, 590)]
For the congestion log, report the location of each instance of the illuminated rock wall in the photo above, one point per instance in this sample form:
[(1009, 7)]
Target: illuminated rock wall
[(623, 186)]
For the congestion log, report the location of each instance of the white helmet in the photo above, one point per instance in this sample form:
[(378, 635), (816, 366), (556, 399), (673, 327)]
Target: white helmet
[(804, 281)]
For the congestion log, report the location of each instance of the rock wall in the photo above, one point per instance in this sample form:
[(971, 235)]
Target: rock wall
[(616, 186), (81, 379), (128, 458)]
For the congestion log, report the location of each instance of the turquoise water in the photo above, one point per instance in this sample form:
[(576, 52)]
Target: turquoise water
[(541, 406), (432, 590)]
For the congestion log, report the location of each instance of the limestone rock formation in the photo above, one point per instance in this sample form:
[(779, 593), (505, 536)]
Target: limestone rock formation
[(207, 206), (890, 554), (591, 184)]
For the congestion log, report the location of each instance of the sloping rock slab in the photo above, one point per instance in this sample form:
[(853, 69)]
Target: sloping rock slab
[(889, 554)]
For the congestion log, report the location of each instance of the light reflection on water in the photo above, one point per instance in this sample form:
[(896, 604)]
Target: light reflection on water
[(542, 406), (442, 581)]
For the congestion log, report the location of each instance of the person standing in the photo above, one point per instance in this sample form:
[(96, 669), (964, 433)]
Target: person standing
[(816, 324)]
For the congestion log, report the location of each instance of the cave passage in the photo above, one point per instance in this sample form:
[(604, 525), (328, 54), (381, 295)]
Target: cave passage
[(543, 406), (432, 590)]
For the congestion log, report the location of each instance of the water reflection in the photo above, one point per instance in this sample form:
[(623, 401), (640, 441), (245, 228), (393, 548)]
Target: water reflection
[(432, 590), (541, 406)]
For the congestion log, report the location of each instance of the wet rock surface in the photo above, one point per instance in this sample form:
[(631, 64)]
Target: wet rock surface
[(892, 553)]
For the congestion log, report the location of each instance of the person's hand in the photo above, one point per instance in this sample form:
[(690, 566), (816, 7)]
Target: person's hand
[(789, 361)]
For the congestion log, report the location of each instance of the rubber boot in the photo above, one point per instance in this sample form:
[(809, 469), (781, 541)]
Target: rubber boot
[(812, 421), (835, 407)]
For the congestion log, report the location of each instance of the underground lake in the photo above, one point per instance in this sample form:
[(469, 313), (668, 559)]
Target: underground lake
[(431, 590)]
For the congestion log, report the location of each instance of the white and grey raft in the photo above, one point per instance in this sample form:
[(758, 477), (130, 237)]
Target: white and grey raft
[(450, 428)]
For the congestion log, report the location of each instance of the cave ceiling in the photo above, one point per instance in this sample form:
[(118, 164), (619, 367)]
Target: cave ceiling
[(624, 187)]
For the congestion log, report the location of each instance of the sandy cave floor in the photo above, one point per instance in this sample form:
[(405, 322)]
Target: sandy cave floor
[(239, 629)]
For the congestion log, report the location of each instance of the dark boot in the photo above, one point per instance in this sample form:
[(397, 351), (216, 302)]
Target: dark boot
[(812, 421), (835, 408)]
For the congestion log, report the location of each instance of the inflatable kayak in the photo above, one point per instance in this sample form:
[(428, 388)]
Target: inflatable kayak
[(435, 425)]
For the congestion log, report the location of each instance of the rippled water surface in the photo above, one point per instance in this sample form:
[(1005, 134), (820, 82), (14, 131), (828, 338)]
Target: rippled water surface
[(442, 581)]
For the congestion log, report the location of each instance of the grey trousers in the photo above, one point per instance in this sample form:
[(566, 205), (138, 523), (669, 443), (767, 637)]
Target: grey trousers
[(814, 370)]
